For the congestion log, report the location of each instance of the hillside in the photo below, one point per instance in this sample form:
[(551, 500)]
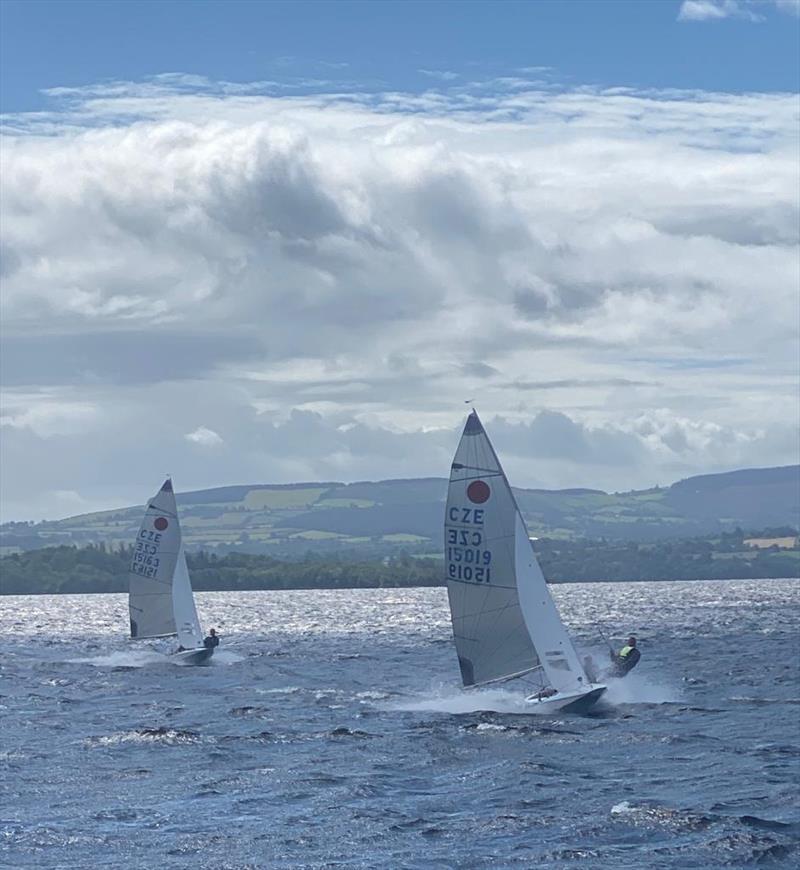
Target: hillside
[(373, 519)]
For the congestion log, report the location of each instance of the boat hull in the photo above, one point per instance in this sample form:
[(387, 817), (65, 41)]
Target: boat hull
[(195, 656), (567, 702)]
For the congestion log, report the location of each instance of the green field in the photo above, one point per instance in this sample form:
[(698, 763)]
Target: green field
[(375, 519)]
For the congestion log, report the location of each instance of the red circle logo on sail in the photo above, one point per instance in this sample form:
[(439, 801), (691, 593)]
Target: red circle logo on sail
[(478, 492), (160, 523)]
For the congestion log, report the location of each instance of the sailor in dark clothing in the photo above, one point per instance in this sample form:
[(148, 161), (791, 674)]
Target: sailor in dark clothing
[(212, 640), (626, 659)]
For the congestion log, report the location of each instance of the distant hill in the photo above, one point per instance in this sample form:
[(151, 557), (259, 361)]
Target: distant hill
[(375, 519)]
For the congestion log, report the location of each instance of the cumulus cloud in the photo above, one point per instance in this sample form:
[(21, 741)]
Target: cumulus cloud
[(204, 437), (322, 281)]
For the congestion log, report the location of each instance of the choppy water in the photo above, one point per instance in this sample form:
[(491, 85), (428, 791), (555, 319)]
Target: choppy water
[(331, 732)]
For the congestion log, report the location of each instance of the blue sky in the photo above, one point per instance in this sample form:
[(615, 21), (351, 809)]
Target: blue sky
[(247, 242), (385, 45)]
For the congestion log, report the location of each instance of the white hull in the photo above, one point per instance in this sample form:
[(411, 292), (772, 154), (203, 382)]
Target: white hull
[(195, 656), (568, 702)]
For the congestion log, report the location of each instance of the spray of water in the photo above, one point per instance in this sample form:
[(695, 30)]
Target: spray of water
[(145, 657), (139, 658), (225, 657), (640, 689), (447, 699), (633, 689)]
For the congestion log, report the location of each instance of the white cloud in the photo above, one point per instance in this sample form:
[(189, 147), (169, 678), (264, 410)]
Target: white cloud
[(48, 413), (710, 10), (335, 274), (204, 437), (749, 10), (441, 75)]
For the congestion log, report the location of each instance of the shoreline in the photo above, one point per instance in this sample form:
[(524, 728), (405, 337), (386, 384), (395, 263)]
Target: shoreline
[(389, 586)]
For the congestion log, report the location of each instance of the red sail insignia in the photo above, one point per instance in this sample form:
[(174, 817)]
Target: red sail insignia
[(478, 492)]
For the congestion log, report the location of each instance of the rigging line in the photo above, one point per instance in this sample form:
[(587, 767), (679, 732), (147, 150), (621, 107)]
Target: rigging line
[(600, 632)]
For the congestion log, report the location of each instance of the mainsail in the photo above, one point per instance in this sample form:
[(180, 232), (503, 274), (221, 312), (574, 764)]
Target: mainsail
[(505, 622), (160, 596)]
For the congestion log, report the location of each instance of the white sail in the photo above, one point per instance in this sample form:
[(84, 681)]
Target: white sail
[(553, 645), (160, 596), (188, 625), (505, 622)]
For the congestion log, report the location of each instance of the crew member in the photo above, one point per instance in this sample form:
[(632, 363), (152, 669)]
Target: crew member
[(626, 659), (212, 640)]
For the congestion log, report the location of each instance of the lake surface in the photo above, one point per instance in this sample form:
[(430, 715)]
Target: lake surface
[(331, 731)]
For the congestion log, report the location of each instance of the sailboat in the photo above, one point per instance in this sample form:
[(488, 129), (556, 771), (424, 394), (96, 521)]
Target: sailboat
[(505, 621), (160, 596)]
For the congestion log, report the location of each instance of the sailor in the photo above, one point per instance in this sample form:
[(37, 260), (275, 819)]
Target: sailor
[(212, 640), (626, 659)]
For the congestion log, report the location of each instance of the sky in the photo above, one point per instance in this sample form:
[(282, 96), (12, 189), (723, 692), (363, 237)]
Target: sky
[(268, 243)]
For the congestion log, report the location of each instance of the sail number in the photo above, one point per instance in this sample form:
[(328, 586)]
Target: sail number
[(474, 573), (465, 515), (466, 560), (145, 558), (144, 570), (469, 556)]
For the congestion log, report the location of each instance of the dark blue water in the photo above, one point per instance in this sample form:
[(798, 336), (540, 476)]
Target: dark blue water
[(331, 732)]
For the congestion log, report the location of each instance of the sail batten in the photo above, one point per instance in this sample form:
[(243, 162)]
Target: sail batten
[(505, 622)]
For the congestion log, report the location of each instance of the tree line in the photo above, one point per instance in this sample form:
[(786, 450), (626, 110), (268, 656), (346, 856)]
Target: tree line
[(99, 568)]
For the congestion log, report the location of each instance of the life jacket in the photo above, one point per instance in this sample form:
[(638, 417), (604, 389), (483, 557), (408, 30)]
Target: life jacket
[(626, 651)]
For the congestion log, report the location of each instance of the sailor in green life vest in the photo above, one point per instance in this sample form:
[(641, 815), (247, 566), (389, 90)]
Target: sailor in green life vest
[(626, 659)]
